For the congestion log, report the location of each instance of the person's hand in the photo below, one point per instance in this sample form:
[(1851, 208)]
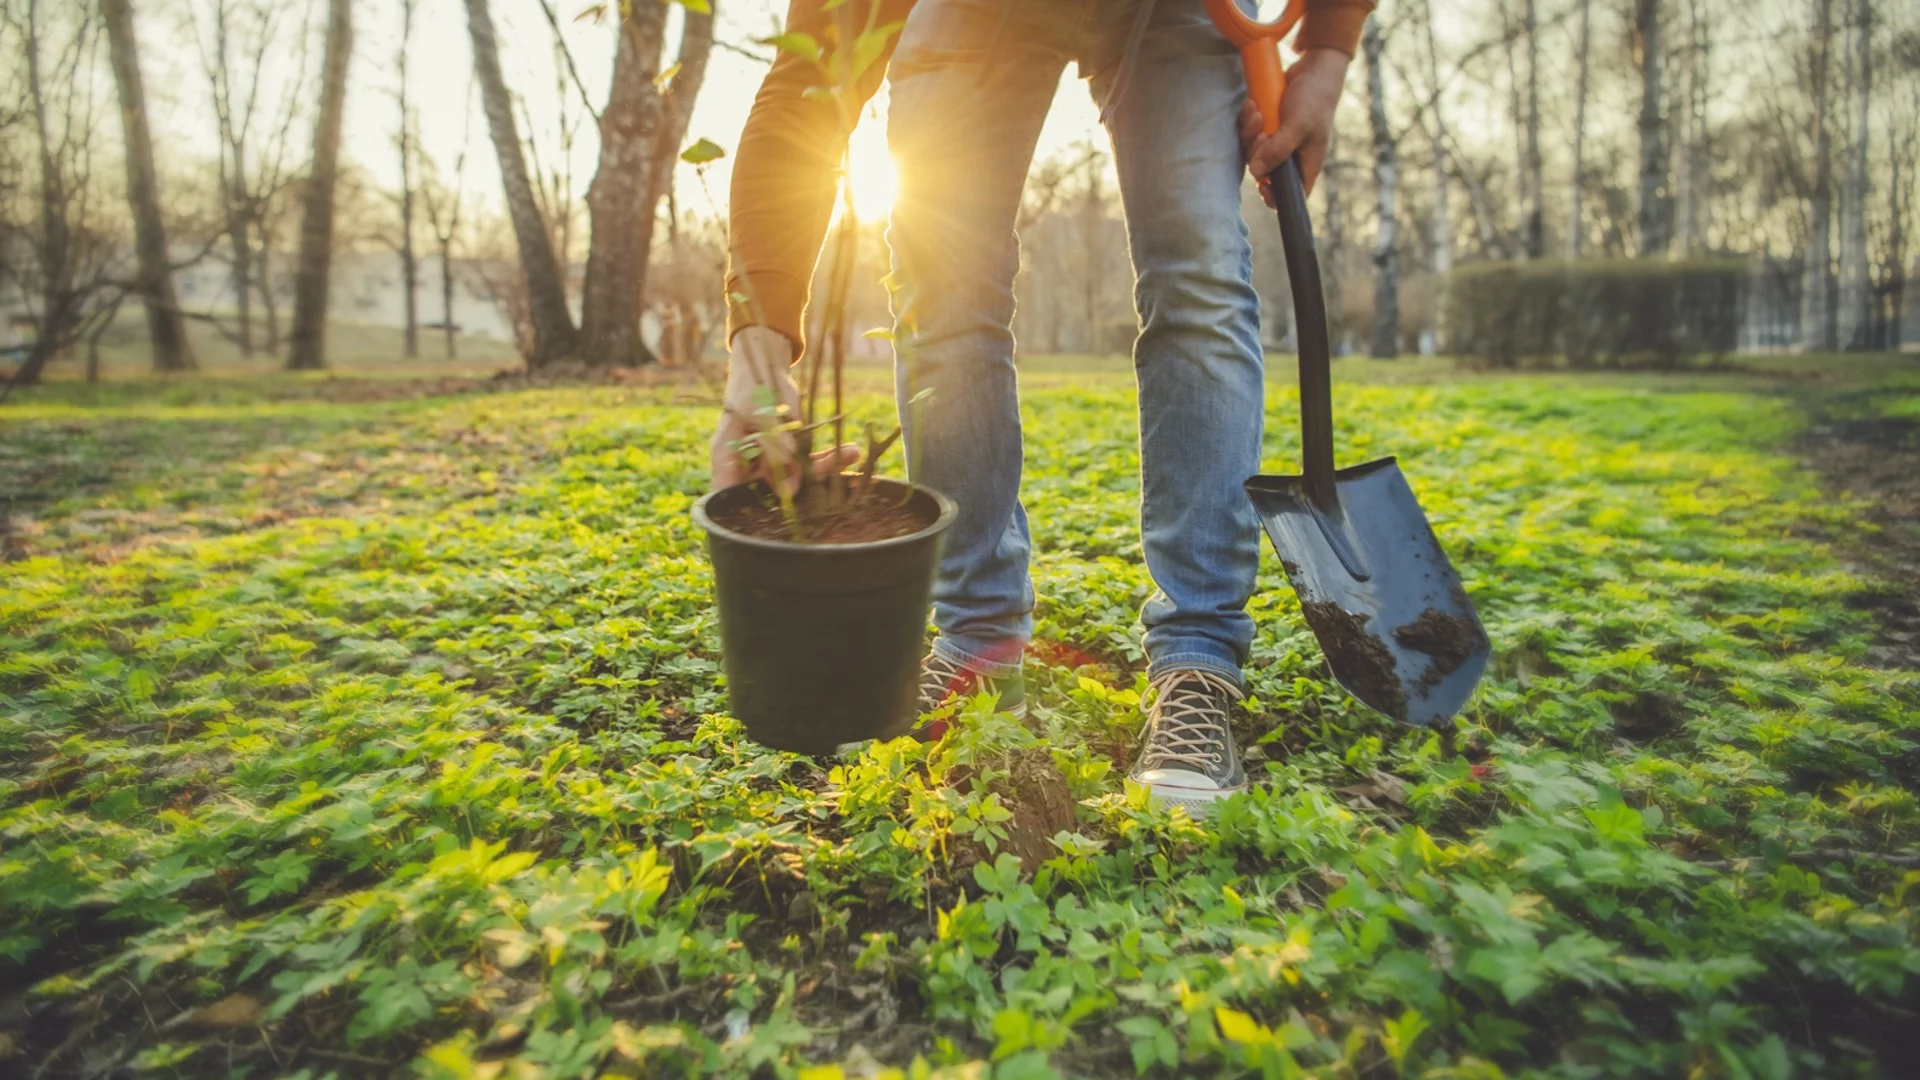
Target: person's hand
[(1313, 90), (755, 436)]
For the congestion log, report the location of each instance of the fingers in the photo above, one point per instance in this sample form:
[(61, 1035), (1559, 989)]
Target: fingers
[(1251, 123), (1313, 155), (833, 459), (1272, 151)]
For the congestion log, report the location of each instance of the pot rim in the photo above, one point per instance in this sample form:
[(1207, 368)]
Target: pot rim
[(948, 511)]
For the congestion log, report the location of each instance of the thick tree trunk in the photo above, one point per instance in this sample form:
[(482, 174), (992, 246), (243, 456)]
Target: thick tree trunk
[(165, 328), (610, 297), (1651, 203), (676, 108), (1855, 317), (554, 336), (1534, 228), (1386, 264), (307, 348), (1816, 297), (1574, 227)]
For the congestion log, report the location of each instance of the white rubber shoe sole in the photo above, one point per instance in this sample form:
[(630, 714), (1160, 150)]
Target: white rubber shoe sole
[(1189, 789)]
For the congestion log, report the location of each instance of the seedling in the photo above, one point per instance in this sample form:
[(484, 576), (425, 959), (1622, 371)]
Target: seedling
[(782, 447)]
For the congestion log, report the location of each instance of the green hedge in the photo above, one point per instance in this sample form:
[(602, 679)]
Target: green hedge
[(1624, 312)]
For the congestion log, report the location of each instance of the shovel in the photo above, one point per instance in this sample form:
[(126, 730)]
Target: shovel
[(1378, 592)]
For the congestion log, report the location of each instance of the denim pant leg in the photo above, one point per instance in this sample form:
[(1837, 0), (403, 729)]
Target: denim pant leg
[(1198, 358), (971, 83)]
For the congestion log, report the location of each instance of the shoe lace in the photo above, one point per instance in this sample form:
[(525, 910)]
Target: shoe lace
[(940, 679), (1187, 724)]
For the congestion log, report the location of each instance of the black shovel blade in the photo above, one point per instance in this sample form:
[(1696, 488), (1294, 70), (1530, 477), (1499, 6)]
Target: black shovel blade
[(1395, 625)]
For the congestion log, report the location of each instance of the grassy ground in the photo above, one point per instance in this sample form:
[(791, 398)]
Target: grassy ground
[(388, 737), (357, 349)]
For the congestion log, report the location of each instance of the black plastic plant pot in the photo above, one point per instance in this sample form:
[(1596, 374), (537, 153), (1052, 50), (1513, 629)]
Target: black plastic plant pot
[(823, 642)]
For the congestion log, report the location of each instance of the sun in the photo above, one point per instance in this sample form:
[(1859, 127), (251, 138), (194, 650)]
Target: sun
[(875, 181)]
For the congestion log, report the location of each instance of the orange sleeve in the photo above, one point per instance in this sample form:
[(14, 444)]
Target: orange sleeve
[(1333, 24), (784, 174)]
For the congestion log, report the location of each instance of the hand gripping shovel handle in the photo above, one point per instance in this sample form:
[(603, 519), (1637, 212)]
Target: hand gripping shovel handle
[(1259, 45)]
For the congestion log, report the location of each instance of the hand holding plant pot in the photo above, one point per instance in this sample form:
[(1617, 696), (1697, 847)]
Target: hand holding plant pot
[(755, 437)]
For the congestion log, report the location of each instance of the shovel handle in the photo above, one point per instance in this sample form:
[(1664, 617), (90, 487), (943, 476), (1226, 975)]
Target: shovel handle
[(1310, 334), (1259, 45)]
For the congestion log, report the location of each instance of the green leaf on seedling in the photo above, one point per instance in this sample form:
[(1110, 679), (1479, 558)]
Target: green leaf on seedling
[(795, 42), (665, 78), (868, 47), (701, 152), (698, 6), (884, 333)]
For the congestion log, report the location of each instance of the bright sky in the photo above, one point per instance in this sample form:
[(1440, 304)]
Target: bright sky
[(440, 79)]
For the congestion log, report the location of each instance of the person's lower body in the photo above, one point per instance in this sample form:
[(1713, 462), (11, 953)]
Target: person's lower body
[(972, 80)]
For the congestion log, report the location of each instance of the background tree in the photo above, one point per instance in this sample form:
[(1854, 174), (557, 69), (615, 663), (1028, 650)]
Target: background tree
[(1386, 266), (407, 143), (1651, 227), (62, 263), (1854, 317), (166, 329), (1576, 229), (610, 294), (550, 320), (242, 48), (1816, 302), (443, 202), (307, 349)]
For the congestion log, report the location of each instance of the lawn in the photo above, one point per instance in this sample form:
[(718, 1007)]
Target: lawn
[(389, 738)]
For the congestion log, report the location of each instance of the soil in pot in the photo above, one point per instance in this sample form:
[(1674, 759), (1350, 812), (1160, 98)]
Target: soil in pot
[(853, 521)]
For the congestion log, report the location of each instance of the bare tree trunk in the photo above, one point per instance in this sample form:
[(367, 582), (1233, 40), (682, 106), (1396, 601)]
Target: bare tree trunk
[(1386, 264), (307, 349), (610, 297), (1855, 322), (1652, 216), (1517, 117), (676, 108), (409, 263), (1903, 154), (1442, 216), (554, 336), (1574, 228), (1534, 229), (165, 328), (446, 301), (1816, 299), (1333, 281), (263, 280), (1695, 172)]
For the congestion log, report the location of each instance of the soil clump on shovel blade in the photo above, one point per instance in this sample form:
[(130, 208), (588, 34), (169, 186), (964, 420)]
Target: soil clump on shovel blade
[(1449, 639), (1360, 660), (852, 522)]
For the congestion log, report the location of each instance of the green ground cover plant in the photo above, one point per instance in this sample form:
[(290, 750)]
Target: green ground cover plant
[(390, 739)]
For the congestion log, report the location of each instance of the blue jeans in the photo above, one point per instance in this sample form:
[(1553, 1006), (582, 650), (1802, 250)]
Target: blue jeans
[(971, 83)]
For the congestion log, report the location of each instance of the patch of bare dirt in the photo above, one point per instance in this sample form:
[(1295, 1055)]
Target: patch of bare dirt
[(1031, 786), (1878, 460)]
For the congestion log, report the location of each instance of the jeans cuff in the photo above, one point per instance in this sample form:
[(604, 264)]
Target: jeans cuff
[(1195, 660), (974, 657)]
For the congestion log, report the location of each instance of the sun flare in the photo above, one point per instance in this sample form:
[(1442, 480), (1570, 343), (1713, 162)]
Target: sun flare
[(874, 179)]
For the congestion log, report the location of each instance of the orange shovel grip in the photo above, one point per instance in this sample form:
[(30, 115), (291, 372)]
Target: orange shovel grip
[(1259, 45)]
